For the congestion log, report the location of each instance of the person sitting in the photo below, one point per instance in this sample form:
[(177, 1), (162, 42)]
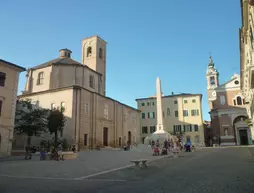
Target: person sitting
[(156, 151), (28, 153), (164, 151)]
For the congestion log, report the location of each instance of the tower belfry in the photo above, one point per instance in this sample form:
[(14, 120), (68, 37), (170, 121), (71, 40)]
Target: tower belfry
[(94, 56)]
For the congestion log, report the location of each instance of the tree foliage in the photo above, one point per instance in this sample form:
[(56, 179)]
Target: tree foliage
[(30, 120), (56, 122)]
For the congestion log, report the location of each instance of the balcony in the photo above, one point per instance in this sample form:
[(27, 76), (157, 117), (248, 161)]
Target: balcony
[(251, 2)]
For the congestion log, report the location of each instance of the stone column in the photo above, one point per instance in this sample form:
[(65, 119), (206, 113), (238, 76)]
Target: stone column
[(160, 126)]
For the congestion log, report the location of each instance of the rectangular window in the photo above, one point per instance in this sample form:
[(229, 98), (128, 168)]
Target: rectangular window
[(91, 81), (195, 127), (144, 130), (1, 104), (185, 101), (142, 104), (177, 129), (222, 100), (176, 113), (185, 113), (194, 112), (106, 111), (151, 115), (152, 129), (193, 100), (143, 115), (252, 80), (85, 139), (148, 104), (175, 102), (187, 128), (153, 103), (2, 79), (86, 108), (168, 111)]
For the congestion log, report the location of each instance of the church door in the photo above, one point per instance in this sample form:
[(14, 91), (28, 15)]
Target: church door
[(243, 134), (105, 136), (129, 137)]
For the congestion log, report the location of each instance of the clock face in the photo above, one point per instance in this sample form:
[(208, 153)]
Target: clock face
[(214, 93)]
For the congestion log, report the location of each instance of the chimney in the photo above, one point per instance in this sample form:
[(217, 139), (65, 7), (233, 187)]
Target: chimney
[(65, 53)]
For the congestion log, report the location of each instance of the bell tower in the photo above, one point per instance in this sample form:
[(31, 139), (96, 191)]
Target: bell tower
[(212, 77), (94, 56)]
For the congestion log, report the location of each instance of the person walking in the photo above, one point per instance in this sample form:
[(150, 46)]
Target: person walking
[(60, 151)]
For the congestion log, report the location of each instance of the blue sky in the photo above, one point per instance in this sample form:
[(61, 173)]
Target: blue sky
[(146, 38)]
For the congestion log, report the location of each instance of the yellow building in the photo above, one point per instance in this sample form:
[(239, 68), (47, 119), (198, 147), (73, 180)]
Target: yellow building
[(93, 119), (182, 115), (246, 41), (9, 78)]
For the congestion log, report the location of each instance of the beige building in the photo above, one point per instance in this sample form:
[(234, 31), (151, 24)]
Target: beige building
[(182, 115), (246, 59), (227, 109), (92, 118), (9, 78)]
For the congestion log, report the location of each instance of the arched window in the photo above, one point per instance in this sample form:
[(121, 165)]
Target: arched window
[(89, 52), (239, 100), (40, 78), (212, 80), (100, 53)]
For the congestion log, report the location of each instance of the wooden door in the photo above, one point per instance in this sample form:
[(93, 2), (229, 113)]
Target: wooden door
[(105, 136)]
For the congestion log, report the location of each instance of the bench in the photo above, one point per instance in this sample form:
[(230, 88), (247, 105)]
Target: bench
[(139, 163)]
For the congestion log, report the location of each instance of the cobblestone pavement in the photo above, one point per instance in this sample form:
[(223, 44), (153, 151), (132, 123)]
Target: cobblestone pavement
[(220, 170)]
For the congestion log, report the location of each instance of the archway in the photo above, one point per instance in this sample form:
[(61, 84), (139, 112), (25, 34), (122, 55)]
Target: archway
[(241, 130)]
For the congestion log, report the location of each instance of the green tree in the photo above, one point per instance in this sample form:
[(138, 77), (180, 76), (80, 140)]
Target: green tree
[(30, 120), (56, 123)]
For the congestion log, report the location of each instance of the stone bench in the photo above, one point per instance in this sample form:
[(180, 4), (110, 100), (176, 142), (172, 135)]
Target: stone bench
[(140, 162)]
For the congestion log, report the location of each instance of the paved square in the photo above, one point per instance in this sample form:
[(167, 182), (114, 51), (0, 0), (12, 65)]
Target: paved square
[(88, 163), (220, 170)]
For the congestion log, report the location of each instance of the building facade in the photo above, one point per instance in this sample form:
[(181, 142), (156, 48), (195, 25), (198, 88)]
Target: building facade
[(208, 133), (227, 109), (9, 78), (246, 42), (92, 118), (182, 116)]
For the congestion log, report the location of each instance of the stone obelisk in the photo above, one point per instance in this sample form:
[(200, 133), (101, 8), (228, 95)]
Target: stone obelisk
[(160, 126)]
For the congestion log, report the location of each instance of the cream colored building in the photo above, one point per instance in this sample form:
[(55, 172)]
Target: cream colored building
[(9, 78), (92, 118), (182, 115), (246, 42)]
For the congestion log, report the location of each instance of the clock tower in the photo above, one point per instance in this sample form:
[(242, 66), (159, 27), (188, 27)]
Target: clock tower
[(212, 77)]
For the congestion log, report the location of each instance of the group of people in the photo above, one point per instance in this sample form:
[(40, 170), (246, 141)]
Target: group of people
[(171, 145), (56, 152)]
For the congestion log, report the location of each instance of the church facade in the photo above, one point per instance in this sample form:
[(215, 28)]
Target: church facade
[(93, 119), (227, 110)]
